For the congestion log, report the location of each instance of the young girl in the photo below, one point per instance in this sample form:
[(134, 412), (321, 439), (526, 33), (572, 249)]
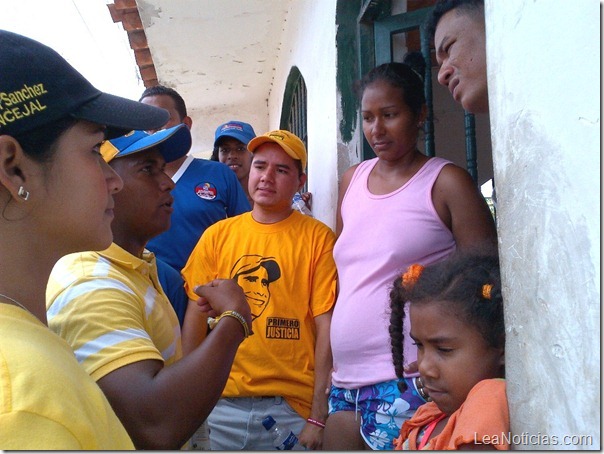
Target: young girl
[(456, 313)]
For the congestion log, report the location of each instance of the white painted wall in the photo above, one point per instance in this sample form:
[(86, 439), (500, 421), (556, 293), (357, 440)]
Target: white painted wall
[(308, 42), (218, 55), (544, 93), (84, 34)]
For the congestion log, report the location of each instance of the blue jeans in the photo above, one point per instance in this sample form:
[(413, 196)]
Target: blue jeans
[(236, 422)]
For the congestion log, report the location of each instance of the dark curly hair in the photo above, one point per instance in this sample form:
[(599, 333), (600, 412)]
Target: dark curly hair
[(459, 281)]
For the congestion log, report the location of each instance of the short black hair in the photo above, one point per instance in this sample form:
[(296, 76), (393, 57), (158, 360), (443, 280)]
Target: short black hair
[(157, 90), (444, 6)]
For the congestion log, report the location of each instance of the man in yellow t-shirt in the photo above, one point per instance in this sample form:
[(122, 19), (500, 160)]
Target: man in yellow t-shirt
[(283, 261)]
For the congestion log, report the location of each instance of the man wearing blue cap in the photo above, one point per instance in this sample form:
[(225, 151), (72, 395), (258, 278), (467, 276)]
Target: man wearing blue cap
[(205, 191), (110, 307), (230, 148)]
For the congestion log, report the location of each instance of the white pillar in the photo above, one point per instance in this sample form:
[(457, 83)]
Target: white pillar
[(544, 93)]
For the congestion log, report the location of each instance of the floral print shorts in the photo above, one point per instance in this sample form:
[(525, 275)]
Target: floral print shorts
[(382, 409)]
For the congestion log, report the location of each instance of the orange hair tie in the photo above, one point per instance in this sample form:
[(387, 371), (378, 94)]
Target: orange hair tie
[(411, 276), (486, 291)]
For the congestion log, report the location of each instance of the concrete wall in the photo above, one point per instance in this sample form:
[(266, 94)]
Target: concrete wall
[(543, 68), (308, 42), (218, 55)]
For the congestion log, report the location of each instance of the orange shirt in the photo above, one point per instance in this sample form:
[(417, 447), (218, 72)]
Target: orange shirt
[(482, 419)]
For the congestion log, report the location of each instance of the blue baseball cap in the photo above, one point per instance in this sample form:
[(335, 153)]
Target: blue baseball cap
[(172, 143), (239, 130)]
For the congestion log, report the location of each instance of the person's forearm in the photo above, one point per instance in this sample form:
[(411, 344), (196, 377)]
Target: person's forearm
[(163, 410), (194, 328), (195, 383), (323, 366), (312, 434)]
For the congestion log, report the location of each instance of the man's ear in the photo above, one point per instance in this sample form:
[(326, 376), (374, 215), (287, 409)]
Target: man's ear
[(12, 159), (188, 121), (302, 181)]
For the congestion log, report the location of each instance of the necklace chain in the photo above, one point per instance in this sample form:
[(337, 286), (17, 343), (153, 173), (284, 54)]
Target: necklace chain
[(14, 301)]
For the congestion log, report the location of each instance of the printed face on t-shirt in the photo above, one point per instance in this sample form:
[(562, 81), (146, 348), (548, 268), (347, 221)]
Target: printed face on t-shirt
[(254, 273)]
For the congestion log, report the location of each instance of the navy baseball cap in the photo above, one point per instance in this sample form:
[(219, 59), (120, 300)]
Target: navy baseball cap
[(239, 130), (172, 143), (38, 87)]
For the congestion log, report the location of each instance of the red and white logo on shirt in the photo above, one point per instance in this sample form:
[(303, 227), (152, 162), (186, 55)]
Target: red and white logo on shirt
[(206, 191)]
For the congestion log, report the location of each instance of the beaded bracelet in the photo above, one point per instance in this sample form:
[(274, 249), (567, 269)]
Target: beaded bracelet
[(316, 423), (212, 322)]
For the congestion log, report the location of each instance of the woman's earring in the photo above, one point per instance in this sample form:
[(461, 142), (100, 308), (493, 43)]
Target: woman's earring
[(23, 193)]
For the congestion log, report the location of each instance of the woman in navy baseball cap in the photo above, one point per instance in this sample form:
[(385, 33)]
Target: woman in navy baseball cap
[(56, 198)]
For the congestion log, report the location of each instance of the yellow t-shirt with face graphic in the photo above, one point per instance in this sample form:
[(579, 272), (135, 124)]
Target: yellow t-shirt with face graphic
[(288, 275)]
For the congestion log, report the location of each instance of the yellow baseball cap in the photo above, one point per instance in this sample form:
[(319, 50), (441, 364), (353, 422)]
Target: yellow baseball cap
[(290, 143)]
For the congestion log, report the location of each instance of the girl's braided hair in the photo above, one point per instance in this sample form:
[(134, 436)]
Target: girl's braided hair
[(470, 286)]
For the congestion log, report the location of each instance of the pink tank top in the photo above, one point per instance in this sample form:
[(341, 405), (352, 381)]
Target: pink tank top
[(381, 237)]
